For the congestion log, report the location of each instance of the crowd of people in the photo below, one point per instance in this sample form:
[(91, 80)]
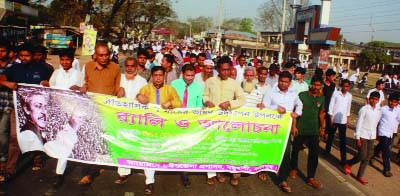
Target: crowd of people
[(178, 78)]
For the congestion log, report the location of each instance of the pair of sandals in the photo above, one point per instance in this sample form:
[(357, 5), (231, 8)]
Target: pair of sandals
[(148, 190), (235, 179), (262, 176), (122, 179), (220, 178), (5, 177), (38, 163), (285, 187), (85, 180)]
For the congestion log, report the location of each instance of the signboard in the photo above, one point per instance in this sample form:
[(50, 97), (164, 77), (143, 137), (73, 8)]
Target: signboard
[(89, 42)]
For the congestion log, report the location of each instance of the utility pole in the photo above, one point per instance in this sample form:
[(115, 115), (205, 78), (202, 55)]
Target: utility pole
[(257, 43), (190, 32), (281, 46), (372, 29), (219, 35), (340, 51)]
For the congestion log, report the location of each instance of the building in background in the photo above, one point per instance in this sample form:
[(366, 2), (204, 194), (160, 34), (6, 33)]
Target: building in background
[(14, 21)]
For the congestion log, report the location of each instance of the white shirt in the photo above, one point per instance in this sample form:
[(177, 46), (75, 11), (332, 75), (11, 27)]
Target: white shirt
[(199, 79), (240, 72), (159, 57), (381, 97), (299, 87), (353, 78), (346, 75), (340, 106), (76, 65), (125, 46), (253, 98), (289, 100), (367, 122), (263, 89), (272, 81), (65, 79), (389, 121), (132, 87)]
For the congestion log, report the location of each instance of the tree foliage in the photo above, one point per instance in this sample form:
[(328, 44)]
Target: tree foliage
[(180, 29), (231, 24), (374, 55), (109, 17), (246, 25), (201, 23), (270, 14)]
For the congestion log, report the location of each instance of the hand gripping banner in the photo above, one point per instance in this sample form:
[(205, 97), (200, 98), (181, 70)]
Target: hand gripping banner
[(105, 130)]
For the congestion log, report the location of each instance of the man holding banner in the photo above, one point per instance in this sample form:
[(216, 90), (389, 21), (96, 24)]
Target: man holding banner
[(101, 76), (191, 94), (25, 72), (227, 94), (131, 83), (161, 94), (283, 99), (64, 78)]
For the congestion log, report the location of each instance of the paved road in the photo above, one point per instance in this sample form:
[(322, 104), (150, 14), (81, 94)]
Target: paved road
[(168, 183)]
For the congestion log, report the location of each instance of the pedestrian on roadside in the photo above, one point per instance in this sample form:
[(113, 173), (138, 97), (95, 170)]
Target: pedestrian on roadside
[(339, 113), (388, 125), (365, 135), (307, 130), (299, 85), (328, 90), (379, 86), (362, 82)]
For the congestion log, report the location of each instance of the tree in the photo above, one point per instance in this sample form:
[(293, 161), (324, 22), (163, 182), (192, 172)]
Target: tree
[(374, 55), (145, 16), (246, 25), (180, 29), (200, 23), (107, 16), (270, 14), (231, 24)]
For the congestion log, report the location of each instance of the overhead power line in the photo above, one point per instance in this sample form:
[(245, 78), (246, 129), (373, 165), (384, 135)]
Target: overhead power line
[(363, 17), (342, 16), (369, 6), (376, 23), (368, 31), (356, 3)]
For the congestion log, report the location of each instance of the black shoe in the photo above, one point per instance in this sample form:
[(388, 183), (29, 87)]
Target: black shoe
[(186, 182), (59, 180), (387, 174)]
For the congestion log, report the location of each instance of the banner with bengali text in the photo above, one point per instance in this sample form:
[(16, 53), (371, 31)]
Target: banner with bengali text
[(105, 130)]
